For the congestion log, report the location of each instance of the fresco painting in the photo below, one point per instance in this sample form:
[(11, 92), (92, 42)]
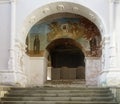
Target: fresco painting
[(79, 29)]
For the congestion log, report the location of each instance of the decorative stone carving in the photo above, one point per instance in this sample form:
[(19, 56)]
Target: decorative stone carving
[(19, 52), (46, 10), (75, 8), (33, 18), (60, 7), (92, 16), (11, 63)]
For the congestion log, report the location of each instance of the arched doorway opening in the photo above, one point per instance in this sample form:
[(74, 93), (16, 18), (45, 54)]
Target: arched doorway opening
[(66, 59), (69, 39), (69, 24)]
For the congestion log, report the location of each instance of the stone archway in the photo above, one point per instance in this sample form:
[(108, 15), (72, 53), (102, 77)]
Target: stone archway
[(64, 36), (67, 59), (59, 7), (61, 35), (45, 11)]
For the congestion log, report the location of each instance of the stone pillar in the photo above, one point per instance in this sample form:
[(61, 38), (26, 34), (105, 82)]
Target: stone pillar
[(113, 73), (7, 77), (117, 29), (104, 60), (112, 35), (92, 70), (11, 63), (14, 74)]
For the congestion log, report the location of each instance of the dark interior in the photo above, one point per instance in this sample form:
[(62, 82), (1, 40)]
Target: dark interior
[(67, 55)]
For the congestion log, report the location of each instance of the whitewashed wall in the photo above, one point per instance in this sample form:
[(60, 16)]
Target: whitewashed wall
[(92, 70), (5, 74), (4, 35), (36, 71)]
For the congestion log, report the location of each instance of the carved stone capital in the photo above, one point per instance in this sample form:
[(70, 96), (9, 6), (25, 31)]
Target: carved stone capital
[(19, 44)]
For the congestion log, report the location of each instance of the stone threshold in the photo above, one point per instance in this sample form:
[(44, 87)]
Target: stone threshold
[(65, 83)]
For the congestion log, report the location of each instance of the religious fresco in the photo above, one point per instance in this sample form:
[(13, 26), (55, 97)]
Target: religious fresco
[(79, 29)]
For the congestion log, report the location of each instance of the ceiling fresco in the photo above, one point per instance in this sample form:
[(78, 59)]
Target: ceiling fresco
[(79, 29)]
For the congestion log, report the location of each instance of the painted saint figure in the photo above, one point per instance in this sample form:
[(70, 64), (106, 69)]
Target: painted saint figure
[(93, 46), (36, 45)]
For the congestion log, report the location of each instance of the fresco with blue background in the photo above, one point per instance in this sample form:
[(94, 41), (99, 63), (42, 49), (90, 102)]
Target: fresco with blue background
[(81, 30)]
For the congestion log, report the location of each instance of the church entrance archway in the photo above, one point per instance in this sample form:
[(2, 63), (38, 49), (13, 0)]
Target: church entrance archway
[(66, 24), (66, 59), (69, 40)]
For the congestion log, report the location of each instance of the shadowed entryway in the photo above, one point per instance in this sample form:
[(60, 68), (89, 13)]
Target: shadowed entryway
[(67, 59)]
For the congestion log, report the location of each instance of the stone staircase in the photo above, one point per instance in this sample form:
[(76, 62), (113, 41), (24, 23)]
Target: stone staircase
[(59, 95)]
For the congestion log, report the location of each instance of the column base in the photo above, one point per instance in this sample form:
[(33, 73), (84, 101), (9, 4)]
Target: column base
[(11, 78), (113, 79), (110, 78)]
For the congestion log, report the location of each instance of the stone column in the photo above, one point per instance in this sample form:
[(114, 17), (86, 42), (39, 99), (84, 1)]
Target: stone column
[(11, 63), (104, 60), (113, 74), (112, 35), (92, 70), (117, 31), (17, 50)]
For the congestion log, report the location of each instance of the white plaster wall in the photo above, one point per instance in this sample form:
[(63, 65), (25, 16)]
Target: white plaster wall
[(6, 76), (4, 34), (35, 71), (92, 69), (27, 67)]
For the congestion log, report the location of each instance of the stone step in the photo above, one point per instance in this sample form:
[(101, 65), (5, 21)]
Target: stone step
[(57, 99), (60, 88), (65, 82), (57, 102), (59, 91), (51, 95), (60, 95), (65, 85)]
